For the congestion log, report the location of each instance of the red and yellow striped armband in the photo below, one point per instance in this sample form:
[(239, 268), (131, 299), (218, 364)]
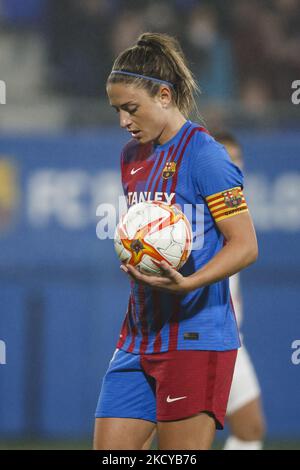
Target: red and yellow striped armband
[(227, 203)]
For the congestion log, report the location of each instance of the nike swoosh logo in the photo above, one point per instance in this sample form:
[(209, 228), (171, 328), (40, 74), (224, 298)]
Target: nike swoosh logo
[(133, 171), (170, 400)]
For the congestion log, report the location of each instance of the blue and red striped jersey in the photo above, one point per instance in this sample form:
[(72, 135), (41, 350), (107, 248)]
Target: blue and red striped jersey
[(202, 171)]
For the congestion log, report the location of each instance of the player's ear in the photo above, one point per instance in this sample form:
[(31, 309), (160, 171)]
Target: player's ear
[(165, 96)]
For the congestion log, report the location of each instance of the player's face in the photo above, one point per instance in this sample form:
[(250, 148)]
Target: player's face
[(142, 115), (235, 154)]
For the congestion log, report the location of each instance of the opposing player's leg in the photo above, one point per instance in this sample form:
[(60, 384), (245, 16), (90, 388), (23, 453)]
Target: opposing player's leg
[(244, 412), (195, 433), (126, 409), (247, 427), (121, 433)]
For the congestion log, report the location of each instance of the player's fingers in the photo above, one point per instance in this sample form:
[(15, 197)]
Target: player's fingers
[(123, 268), (169, 271), (132, 271), (137, 275), (165, 267), (156, 282)]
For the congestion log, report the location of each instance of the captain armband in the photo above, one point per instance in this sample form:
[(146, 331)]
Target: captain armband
[(227, 203)]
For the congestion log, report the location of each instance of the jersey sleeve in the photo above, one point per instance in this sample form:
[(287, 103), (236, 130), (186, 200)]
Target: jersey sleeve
[(219, 181)]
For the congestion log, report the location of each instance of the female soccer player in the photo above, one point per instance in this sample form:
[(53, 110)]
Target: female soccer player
[(176, 353)]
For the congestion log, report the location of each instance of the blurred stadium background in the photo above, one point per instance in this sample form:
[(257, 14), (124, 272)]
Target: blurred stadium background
[(62, 295)]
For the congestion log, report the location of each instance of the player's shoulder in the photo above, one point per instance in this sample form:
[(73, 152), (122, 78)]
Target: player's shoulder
[(202, 141), (205, 149), (133, 151)]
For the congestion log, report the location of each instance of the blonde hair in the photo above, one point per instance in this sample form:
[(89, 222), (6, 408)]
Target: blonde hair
[(158, 56)]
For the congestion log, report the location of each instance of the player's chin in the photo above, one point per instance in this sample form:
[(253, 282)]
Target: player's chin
[(142, 138)]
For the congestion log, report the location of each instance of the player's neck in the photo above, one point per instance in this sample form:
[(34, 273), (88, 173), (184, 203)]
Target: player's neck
[(172, 127)]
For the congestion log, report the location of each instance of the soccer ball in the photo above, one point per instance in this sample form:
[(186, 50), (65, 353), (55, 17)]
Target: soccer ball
[(151, 232)]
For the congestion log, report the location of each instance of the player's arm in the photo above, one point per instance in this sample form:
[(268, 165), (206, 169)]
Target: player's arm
[(220, 183), (240, 251)]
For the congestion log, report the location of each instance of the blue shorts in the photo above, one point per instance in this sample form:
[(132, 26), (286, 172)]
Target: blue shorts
[(167, 386), (127, 392)]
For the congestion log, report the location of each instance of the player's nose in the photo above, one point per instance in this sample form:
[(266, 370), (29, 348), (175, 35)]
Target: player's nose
[(125, 120)]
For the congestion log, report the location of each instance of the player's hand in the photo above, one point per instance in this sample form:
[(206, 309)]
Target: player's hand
[(171, 280)]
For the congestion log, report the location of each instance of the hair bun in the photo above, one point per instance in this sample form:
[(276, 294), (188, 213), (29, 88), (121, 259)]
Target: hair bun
[(142, 42)]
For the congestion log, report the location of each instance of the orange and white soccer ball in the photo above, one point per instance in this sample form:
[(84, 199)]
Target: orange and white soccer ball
[(151, 232)]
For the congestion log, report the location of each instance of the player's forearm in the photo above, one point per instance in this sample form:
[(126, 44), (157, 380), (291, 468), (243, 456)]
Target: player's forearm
[(232, 258)]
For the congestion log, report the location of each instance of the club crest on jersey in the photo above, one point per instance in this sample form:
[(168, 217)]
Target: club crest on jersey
[(233, 197), (169, 170)]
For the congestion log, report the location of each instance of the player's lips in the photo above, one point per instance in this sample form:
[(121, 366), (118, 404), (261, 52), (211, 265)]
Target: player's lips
[(135, 134)]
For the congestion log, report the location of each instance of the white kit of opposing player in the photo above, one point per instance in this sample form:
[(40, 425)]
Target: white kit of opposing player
[(245, 386)]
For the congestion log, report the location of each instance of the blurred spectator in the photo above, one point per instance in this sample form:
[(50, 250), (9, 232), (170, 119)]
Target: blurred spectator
[(282, 45), (266, 41), (162, 17), (128, 26), (132, 21), (249, 50), (255, 95), (248, 43), (208, 52), (79, 45)]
